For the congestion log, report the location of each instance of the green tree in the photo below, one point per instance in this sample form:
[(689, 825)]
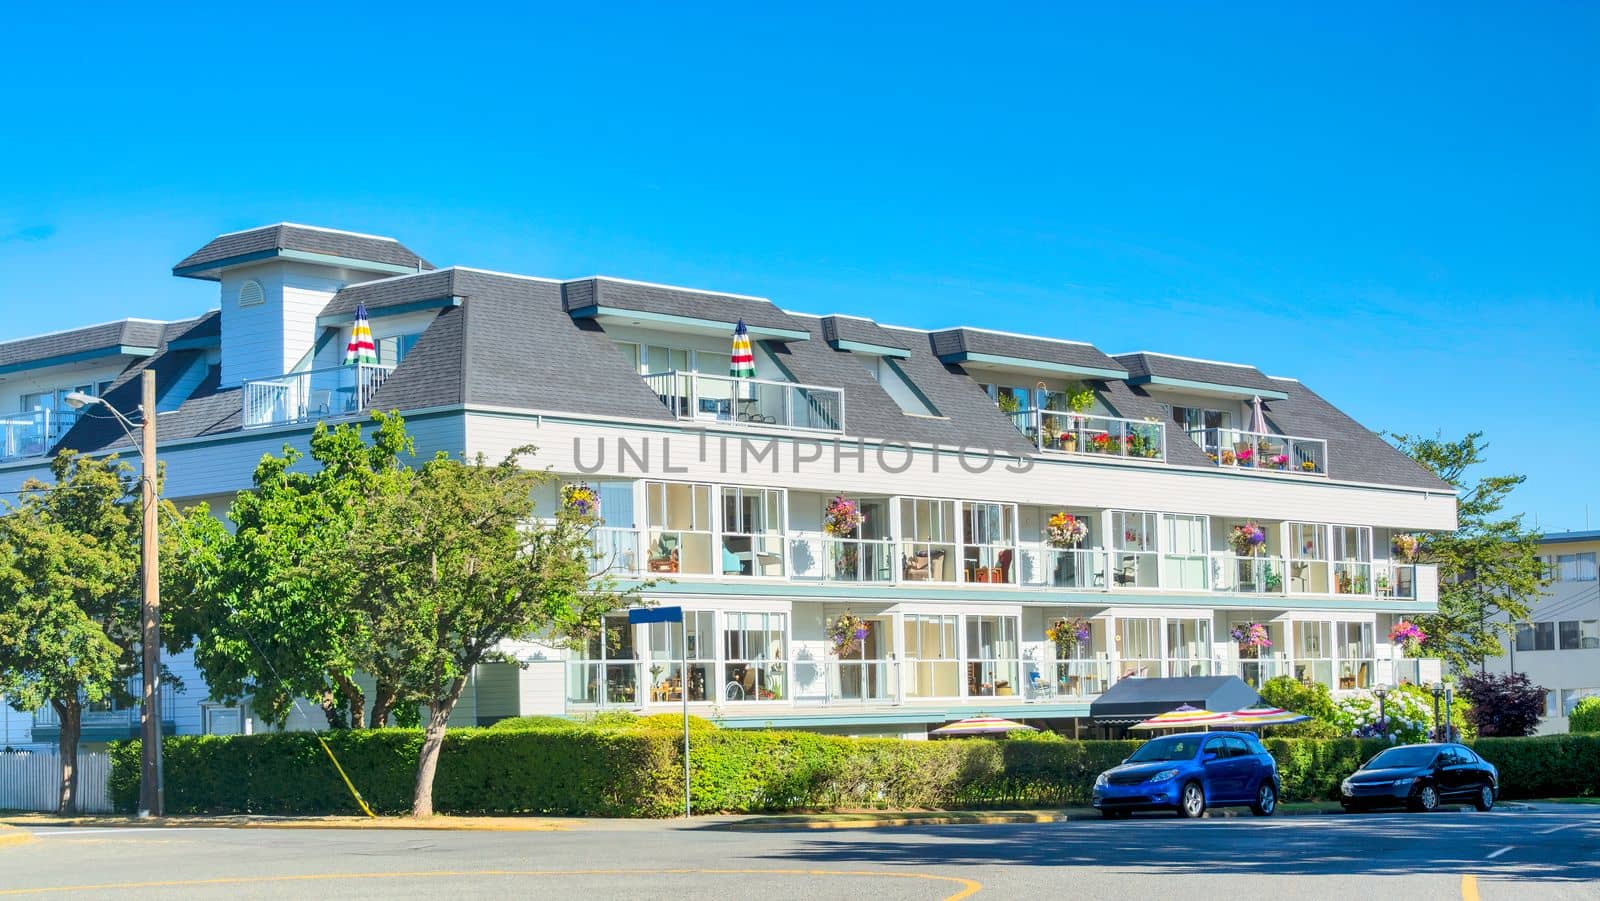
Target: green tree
[(269, 626), (70, 595), (447, 562), (1489, 569)]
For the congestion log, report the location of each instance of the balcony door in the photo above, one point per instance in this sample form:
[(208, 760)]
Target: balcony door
[(1186, 559)]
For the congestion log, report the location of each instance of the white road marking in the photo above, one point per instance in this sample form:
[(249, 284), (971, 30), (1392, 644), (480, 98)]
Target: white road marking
[(1559, 828), (1495, 854)]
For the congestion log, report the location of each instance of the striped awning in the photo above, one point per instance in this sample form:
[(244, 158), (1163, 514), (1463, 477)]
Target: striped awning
[(979, 725), (1183, 717)]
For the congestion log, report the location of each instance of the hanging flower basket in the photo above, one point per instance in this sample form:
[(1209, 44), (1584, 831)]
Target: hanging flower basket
[(842, 517), (1247, 540), (1405, 547), (1251, 638), (1063, 530), (847, 634), (1409, 637), (581, 499), (1068, 635)]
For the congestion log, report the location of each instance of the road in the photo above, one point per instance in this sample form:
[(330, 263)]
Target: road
[(1549, 852)]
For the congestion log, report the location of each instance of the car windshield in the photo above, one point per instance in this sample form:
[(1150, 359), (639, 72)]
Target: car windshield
[(1402, 757), (1165, 749)]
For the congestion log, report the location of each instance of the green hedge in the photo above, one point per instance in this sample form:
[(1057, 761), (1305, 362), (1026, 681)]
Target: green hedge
[(1585, 716), (637, 770)]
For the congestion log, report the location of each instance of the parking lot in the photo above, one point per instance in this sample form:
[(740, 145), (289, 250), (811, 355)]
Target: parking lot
[(1549, 852)]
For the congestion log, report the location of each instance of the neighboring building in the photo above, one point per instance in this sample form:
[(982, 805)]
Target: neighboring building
[(1559, 648), (958, 445)]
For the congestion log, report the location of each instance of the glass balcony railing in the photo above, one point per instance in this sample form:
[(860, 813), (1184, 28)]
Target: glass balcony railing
[(761, 402), (615, 551), (313, 394), (1247, 575), (32, 433), (1092, 435), (858, 559), (1238, 449), (1396, 580)]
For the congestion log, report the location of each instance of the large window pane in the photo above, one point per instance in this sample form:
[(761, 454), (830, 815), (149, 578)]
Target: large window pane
[(932, 656), (992, 655), (756, 651)]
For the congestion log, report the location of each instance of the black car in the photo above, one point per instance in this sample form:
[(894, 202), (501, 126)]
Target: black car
[(1422, 777)]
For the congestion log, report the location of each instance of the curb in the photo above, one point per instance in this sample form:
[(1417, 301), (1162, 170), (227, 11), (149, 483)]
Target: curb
[(386, 824), (889, 822)]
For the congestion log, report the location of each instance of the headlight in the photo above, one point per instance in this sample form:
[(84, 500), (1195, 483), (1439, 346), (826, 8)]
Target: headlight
[(1163, 776), (1406, 781), (1345, 787), (1100, 780)]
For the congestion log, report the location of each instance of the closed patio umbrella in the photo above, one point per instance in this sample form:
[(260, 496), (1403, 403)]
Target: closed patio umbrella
[(1184, 717), (1258, 418), (979, 725)]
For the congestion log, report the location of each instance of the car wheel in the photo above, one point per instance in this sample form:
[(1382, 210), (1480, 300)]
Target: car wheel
[(1192, 802), (1485, 799), (1427, 799), (1266, 800), (1111, 814)]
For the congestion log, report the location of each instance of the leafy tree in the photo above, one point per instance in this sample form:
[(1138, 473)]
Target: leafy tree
[(70, 595), (445, 563), (270, 627), (1585, 716), (1489, 569), (1503, 704), (1312, 699)]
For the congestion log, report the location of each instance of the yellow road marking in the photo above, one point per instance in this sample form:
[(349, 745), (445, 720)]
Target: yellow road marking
[(969, 887), (1469, 887)]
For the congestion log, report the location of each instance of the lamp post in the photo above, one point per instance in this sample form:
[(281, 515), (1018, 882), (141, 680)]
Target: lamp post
[(1438, 695), (1449, 720), (151, 800), (1383, 716)]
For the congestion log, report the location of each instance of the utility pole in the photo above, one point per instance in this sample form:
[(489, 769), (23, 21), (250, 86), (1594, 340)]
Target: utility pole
[(151, 800)]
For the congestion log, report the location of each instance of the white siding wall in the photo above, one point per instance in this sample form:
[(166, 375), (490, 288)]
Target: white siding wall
[(273, 337), (716, 457)]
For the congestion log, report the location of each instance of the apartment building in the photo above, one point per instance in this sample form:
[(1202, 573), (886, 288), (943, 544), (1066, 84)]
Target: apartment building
[(1559, 648), (881, 530)]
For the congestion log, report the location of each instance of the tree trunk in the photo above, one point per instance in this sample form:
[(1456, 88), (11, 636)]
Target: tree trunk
[(432, 740), (357, 700), (382, 704), (332, 712), (71, 715)]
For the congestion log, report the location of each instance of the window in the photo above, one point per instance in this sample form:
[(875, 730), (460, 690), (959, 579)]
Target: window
[(1571, 696), (393, 349), (756, 651), (992, 658), (1589, 634), (1313, 652), (224, 721), (1544, 636), (932, 656), (605, 670), (1307, 542), (678, 520), (1575, 567), (1206, 427), (1524, 638), (1552, 703), (1140, 647), (1135, 561), (1308, 560), (1567, 634), (928, 530), (752, 531), (1187, 560), (1188, 647), (667, 655), (991, 542), (1356, 659)]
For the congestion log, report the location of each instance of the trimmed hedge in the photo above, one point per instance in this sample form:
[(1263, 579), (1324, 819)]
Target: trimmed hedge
[(637, 770), (1585, 716)]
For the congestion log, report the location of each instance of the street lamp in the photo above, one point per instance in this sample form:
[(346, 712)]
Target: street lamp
[(151, 801), (1383, 717), (1438, 695), (1449, 720)]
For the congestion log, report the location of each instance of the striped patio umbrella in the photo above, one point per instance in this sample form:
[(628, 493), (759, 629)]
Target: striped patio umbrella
[(979, 725), (1183, 717), (1257, 717), (361, 348), (743, 363)]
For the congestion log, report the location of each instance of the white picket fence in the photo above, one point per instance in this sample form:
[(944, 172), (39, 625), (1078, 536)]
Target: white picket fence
[(31, 780)]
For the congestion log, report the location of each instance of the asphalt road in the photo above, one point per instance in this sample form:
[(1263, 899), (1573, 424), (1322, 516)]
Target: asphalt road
[(1551, 852)]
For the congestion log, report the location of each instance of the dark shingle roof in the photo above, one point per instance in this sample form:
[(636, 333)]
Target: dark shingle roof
[(104, 338), (1355, 453), (856, 330), (688, 303), (270, 240), (1143, 365), (951, 344), (392, 292)]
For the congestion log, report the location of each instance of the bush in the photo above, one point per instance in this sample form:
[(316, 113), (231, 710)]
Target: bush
[(673, 722), (1503, 704), (636, 770), (516, 723), (1313, 700), (1586, 716)]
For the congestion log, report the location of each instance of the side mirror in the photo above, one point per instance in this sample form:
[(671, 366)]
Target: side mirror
[(1209, 755)]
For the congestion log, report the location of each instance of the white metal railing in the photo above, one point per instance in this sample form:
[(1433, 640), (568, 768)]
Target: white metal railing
[(1239, 449), (1083, 569), (312, 394), (32, 433), (1092, 435), (1396, 580), (720, 398), (1246, 575), (862, 682), (858, 559), (615, 551)]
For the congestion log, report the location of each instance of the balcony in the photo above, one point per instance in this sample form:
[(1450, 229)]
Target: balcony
[(1263, 452), (312, 394), (700, 397), (1088, 435), (31, 433), (108, 721)]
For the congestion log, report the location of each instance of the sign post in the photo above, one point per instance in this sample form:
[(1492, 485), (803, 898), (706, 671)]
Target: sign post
[(673, 615)]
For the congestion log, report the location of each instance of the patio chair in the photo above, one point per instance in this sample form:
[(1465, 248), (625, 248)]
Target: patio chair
[(1128, 572), (923, 564)]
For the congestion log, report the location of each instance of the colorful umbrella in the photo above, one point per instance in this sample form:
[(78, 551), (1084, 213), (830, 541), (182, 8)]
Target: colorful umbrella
[(979, 725), (1182, 717), (361, 349), (743, 363), (1255, 717)]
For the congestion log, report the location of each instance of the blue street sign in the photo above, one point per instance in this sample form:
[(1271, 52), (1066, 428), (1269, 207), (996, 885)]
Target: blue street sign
[(655, 615)]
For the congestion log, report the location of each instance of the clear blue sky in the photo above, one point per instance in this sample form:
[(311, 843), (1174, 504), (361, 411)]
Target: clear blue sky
[(1400, 208)]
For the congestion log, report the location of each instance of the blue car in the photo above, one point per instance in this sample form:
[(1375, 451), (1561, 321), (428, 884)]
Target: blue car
[(1189, 773)]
